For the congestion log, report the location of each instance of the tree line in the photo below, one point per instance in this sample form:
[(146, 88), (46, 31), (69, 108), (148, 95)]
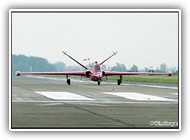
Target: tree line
[(24, 63)]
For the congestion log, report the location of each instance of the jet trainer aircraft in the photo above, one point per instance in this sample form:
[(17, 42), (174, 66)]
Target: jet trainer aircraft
[(94, 73)]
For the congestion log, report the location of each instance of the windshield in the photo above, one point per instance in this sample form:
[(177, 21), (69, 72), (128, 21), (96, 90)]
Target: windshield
[(96, 68)]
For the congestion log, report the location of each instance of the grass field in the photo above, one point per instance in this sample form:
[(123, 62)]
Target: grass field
[(147, 78)]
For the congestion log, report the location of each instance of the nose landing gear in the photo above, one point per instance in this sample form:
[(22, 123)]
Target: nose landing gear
[(99, 81)]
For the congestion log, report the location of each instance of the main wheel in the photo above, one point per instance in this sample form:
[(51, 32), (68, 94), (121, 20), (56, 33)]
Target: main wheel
[(68, 81), (118, 82)]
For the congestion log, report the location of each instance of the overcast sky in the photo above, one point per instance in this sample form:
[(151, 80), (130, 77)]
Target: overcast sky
[(143, 39)]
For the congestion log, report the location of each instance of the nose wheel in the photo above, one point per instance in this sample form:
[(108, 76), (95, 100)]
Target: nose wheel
[(98, 82), (99, 79)]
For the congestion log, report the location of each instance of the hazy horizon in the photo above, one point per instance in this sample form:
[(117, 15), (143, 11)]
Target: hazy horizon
[(142, 39)]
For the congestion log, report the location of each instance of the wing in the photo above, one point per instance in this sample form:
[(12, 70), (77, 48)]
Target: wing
[(110, 73), (18, 73)]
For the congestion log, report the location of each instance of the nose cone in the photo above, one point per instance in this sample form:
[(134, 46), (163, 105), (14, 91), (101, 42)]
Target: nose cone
[(169, 73)]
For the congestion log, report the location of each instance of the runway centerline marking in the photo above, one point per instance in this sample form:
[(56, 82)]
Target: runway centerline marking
[(63, 95), (138, 96)]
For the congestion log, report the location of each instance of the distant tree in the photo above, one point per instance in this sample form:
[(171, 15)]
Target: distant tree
[(20, 59), (119, 67), (20, 67), (73, 68), (60, 66), (146, 69), (89, 65), (24, 63), (163, 67), (177, 72), (173, 69), (20, 62), (104, 67), (40, 64), (134, 68)]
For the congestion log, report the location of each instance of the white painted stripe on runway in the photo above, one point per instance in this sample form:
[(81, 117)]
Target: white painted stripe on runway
[(63, 95), (138, 96)]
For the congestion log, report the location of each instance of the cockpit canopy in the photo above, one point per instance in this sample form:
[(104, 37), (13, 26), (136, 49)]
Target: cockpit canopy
[(96, 67)]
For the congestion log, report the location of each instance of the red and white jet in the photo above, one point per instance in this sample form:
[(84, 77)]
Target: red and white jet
[(94, 73)]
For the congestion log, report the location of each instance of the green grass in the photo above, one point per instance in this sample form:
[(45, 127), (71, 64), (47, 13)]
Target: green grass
[(142, 78), (133, 78)]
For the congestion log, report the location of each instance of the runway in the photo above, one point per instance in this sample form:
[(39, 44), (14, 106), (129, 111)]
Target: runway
[(48, 103)]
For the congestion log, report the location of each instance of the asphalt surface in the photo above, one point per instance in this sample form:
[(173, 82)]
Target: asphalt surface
[(49, 103)]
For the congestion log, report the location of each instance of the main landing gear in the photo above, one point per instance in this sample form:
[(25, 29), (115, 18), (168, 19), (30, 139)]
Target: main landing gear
[(68, 80), (119, 81)]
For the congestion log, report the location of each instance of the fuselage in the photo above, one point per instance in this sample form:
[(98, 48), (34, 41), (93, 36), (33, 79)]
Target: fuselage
[(95, 73)]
